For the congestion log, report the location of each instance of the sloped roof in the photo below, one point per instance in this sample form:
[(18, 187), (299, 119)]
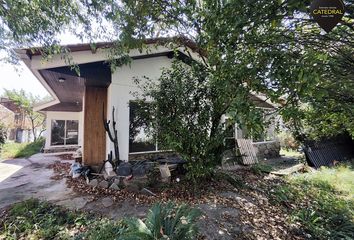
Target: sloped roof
[(37, 51)]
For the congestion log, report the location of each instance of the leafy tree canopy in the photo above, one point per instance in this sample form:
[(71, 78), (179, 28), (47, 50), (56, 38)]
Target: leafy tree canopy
[(268, 46), (272, 47), (26, 101)]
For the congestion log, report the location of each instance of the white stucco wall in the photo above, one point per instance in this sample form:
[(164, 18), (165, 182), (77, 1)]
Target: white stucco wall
[(120, 93), (63, 116)]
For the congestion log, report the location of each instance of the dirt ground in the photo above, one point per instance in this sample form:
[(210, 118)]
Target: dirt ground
[(228, 212)]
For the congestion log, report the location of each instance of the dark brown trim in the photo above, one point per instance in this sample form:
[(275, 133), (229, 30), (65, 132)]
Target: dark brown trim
[(181, 40), (64, 107)]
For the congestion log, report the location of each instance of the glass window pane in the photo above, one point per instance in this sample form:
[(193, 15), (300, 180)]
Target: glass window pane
[(140, 139), (72, 132), (58, 132)]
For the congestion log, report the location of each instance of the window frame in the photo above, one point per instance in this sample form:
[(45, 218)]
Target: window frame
[(65, 132), (237, 129), (266, 134), (156, 141)]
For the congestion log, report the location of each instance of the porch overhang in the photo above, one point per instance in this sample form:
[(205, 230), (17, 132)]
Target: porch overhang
[(67, 86)]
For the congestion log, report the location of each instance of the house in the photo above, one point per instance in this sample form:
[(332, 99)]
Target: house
[(15, 120), (75, 116)]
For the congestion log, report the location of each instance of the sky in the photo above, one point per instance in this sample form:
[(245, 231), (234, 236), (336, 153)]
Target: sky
[(20, 77)]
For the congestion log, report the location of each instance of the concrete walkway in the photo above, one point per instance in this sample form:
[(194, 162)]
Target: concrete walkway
[(21, 179)]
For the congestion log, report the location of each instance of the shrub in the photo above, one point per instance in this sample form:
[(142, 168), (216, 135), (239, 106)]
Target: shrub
[(19, 150), (259, 168), (169, 221), (322, 202), (33, 219), (3, 134), (103, 229), (287, 141), (188, 105)]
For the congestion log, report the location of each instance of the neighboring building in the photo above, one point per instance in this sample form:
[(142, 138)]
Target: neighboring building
[(7, 119), (74, 117), (18, 125)]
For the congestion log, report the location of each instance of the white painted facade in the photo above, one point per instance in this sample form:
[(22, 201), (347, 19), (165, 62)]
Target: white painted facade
[(62, 116), (120, 93)]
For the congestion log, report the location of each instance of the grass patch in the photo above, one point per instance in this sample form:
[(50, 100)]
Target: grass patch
[(321, 201), (19, 150), (33, 219), (291, 153), (340, 178), (260, 168)]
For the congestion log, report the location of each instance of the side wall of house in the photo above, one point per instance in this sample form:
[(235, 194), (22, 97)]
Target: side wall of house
[(121, 90), (62, 116)]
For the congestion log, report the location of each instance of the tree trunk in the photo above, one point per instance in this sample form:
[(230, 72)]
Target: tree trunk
[(33, 130)]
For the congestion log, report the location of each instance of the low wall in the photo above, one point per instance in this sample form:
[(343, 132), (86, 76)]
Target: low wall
[(61, 149), (151, 155), (270, 149)]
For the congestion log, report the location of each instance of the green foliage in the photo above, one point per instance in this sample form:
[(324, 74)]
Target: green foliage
[(260, 168), (287, 141), (3, 134), (33, 219), (168, 221), (103, 229), (340, 178), (39, 220), (19, 150), (26, 101), (36, 23), (272, 47), (322, 202), (292, 154), (188, 105)]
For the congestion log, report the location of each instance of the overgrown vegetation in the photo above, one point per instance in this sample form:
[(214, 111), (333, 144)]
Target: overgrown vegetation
[(33, 219), (260, 168), (188, 105), (169, 221), (291, 153), (20, 150), (322, 202), (273, 48), (25, 102), (3, 134), (287, 140)]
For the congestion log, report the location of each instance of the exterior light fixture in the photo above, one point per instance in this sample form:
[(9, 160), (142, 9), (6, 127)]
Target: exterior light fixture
[(61, 79)]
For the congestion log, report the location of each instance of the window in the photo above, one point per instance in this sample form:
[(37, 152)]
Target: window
[(64, 132), (269, 131), (239, 131), (229, 140), (140, 128)]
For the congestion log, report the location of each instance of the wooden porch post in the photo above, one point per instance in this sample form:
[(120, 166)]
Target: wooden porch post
[(94, 147)]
